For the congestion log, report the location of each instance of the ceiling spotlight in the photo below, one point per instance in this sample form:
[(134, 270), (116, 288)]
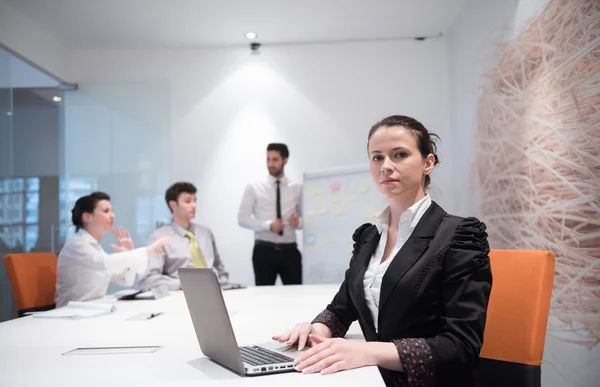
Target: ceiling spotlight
[(56, 98), (251, 35)]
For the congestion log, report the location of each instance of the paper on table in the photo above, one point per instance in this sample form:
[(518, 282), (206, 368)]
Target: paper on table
[(113, 350), (231, 285), (77, 309), (91, 305)]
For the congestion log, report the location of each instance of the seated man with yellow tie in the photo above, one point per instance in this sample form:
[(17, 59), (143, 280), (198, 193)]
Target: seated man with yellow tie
[(191, 245)]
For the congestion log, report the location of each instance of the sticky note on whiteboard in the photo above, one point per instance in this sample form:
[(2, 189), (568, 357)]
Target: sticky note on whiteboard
[(338, 209), (363, 185), (351, 196), (330, 238), (368, 211)]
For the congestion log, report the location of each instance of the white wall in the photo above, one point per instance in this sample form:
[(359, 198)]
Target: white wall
[(472, 44), (226, 105)]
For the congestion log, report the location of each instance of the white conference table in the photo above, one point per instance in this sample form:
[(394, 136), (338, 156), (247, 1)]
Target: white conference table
[(31, 348)]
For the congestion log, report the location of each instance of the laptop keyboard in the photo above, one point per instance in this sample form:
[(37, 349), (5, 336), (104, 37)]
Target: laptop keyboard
[(255, 355)]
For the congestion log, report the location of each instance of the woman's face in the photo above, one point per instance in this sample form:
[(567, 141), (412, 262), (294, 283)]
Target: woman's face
[(102, 219), (397, 166)]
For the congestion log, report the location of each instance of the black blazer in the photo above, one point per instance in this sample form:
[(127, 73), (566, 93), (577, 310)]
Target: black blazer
[(433, 301)]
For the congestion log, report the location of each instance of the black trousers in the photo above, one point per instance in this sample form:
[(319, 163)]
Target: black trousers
[(269, 260)]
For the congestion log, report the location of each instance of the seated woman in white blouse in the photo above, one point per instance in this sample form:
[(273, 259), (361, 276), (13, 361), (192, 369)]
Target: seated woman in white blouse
[(84, 269)]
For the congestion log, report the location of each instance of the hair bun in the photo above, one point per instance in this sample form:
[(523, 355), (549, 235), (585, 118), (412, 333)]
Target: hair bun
[(76, 216)]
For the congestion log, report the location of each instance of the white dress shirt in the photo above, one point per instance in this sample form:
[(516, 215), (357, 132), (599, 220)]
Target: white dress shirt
[(374, 274), (84, 270), (258, 208), (163, 269)]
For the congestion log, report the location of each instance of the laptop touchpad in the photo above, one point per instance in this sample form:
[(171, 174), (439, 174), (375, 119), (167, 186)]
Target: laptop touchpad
[(284, 349)]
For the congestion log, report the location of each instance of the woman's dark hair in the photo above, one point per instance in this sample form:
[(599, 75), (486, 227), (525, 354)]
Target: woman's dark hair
[(425, 139), (86, 204)]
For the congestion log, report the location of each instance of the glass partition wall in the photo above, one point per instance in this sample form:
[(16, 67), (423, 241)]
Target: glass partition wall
[(58, 145), (30, 105)]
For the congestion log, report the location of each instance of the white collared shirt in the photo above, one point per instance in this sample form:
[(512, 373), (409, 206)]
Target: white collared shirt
[(376, 270), (258, 208), (83, 273)]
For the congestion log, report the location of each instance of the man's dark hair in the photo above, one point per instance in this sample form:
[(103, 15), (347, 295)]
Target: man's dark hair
[(281, 148), (177, 189)]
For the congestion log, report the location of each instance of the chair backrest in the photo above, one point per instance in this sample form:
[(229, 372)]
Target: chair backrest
[(33, 280), (517, 316)]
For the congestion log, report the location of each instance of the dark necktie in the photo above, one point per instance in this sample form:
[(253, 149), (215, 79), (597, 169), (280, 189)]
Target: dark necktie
[(279, 204)]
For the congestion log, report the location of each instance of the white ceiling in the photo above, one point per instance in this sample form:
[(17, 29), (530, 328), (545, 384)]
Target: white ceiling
[(197, 23)]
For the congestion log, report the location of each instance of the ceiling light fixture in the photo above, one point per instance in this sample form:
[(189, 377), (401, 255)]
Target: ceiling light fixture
[(56, 98), (251, 35)]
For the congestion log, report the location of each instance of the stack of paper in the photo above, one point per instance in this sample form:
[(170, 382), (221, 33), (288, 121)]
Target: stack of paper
[(75, 309)]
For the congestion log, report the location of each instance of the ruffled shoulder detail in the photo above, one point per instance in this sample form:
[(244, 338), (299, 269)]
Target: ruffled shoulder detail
[(356, 237), (470, 234)]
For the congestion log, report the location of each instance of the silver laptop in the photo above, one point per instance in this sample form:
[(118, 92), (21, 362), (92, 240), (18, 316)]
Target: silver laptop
[(215, 335)]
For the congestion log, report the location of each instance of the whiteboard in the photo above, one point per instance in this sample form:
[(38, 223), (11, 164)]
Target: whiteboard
[(335, 202)]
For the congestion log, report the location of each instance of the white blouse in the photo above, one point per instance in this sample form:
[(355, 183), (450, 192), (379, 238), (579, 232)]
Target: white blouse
[(376, 270), (84, 270)]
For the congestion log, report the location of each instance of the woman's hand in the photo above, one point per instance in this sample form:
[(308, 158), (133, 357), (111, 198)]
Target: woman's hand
[(156, 247), (300, 334), (124, 241), (332, 355)]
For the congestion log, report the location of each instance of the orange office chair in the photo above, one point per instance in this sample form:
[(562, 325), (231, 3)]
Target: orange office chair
[(517, 316), (33, 280)]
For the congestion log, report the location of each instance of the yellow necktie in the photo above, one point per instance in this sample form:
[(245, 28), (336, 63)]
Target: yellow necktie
[(197, 256)]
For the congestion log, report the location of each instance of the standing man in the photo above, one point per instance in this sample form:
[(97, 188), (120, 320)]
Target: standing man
[(273, 209), (191, 245)]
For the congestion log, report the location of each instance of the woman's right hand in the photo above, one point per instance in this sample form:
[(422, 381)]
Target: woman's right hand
[(156, 247), (299, 334)]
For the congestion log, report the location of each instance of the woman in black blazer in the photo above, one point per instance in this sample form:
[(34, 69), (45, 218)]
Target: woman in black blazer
[(418, 283)]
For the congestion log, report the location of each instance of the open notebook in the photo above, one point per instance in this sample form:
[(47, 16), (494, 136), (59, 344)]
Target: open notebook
[(76, 309)]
